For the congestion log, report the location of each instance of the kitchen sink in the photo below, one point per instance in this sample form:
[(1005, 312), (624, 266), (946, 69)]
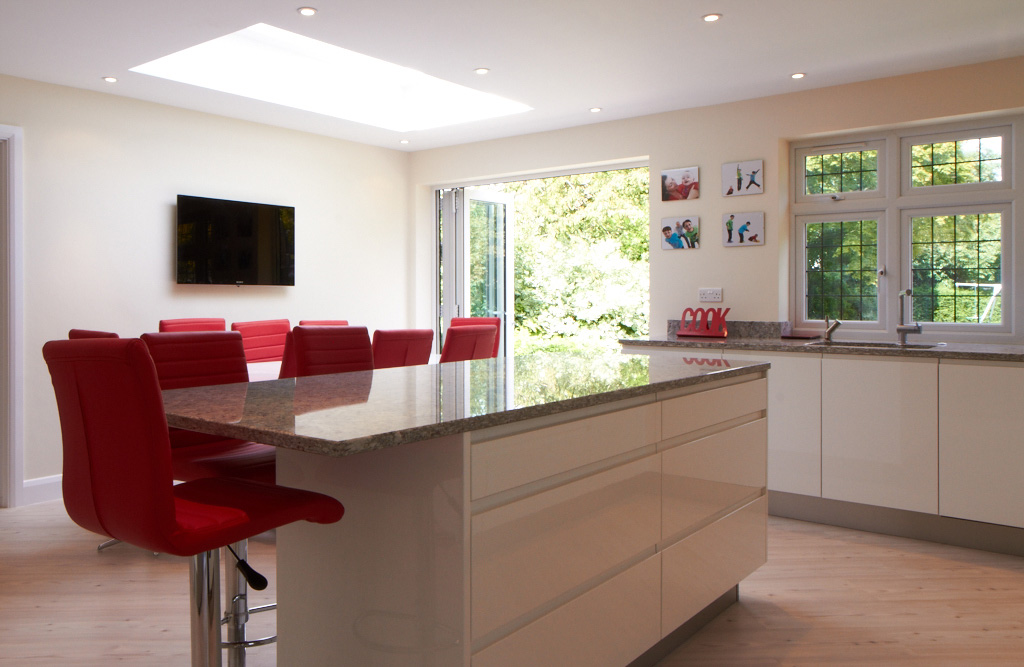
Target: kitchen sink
[(872, 344)]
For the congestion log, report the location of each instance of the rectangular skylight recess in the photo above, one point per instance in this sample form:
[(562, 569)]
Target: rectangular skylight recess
[(273, 65)]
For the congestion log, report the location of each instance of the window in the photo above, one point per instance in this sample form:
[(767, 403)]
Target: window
[(841, 259), (930, 211), (956, 265), (841, 171), (966, 160)]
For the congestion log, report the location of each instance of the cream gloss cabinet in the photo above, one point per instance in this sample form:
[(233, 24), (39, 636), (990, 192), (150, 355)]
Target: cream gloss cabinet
[(879, 431), (981, 446)]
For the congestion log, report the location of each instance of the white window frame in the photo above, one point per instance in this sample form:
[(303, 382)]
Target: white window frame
[(1006, 264), (899, 204), (908, 142), (801, 318), (842, 147)]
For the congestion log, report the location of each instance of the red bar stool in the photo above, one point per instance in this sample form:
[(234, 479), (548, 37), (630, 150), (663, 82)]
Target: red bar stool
[(118, 481), (323, 323), (194, 324), (263, 339), (472, 321), (401, 347), (466, 342), (330, 349), (76, 334)]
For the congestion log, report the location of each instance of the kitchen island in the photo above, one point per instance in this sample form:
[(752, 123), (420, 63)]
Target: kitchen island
[(542, 510)]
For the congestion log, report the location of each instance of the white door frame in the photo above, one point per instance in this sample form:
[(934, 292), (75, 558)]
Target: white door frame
[(12, 384)]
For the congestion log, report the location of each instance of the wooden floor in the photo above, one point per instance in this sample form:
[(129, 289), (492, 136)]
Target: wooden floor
[(828, 596)]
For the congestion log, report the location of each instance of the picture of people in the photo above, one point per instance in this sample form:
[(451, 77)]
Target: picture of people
[(680, 233), (743, 178), (740, 229), (680, 184)]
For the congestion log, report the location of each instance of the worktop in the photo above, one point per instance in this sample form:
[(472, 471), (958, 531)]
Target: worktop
[(969, 351), (542, 510)]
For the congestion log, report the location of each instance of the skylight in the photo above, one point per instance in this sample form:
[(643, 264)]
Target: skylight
[(273, 65)]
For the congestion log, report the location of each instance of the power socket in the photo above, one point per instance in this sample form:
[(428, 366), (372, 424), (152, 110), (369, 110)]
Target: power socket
[(710, 294)]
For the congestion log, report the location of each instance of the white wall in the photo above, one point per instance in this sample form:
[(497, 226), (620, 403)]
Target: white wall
[(101, 174), (755, 279)]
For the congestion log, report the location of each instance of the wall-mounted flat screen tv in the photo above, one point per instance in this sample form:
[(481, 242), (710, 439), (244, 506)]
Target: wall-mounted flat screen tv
[(222, 242)]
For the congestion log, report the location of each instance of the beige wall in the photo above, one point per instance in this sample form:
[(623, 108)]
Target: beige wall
[(755, 279), (101, 174)]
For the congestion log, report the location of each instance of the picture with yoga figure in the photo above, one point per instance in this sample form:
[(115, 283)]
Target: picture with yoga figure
[(740, 229), (743, 178)]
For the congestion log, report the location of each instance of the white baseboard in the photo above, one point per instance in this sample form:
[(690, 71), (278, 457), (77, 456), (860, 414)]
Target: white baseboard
[(40, 490)]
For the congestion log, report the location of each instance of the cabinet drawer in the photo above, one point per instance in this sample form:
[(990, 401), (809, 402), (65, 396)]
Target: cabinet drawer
[(707, 476), (534, 550), (609, 625), (696, 411), (703, 566), (508, 462)]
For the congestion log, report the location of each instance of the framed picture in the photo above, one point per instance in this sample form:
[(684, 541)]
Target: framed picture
[(680, 233), (680, 184), (743, 178), (741, 229)]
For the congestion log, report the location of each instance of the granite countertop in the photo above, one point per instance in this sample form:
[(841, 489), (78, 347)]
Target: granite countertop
[(348, 413), (971, 351)]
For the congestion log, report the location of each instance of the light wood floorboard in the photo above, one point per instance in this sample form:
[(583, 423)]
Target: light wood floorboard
[(828, 596)]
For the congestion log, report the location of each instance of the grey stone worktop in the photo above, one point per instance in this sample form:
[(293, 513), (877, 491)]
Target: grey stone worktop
[(970, 351), (348, 413)]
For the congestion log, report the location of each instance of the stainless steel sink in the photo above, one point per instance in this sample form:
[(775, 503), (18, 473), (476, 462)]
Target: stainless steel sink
[(871, 344)]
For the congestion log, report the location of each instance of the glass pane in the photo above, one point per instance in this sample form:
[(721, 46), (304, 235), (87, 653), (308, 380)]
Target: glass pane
[(958, 269), (921, 154), (812, 165), (813, 185), (840, 274), (832, 164), (921, 176), (970, 160)]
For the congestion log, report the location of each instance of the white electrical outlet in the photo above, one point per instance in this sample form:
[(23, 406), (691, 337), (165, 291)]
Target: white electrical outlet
[(710, 294)]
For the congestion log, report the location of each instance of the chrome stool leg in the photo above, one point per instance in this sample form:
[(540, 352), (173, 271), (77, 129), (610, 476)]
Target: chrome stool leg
[(204, 597), (236, 604)]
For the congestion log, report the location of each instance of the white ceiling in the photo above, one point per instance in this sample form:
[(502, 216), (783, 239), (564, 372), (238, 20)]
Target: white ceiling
[(561, 57)]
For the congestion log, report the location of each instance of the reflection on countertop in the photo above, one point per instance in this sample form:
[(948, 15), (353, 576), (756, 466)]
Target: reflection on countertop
[(352, 412)]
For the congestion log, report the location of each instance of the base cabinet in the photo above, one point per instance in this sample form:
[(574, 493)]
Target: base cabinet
[(981, 457), (879, 425), (794, 423)]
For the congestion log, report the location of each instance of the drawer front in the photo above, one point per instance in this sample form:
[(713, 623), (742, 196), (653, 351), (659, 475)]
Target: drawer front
[(508, 462), (708, 476), (609, 625), (700, 568), (692, 412), (532, 551)]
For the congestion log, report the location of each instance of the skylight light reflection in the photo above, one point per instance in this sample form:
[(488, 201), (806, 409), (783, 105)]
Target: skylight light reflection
[(273, 65)]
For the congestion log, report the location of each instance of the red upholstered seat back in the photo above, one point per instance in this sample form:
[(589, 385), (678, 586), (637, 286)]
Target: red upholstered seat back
[(197, 358), (463, 343), (331, 349), (263, 339), (194, 324), (401, 347), (467, 321), (117, 458), (323, 323), (76, 334)]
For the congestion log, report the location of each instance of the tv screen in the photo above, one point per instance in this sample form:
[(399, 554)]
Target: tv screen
[(222, 242)]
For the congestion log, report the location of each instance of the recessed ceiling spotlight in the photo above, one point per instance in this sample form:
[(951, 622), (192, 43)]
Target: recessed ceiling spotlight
[(798, 75), (307, 11), (711, 18), (595, 109), (482, 70), (110, 79), (404, 141)]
